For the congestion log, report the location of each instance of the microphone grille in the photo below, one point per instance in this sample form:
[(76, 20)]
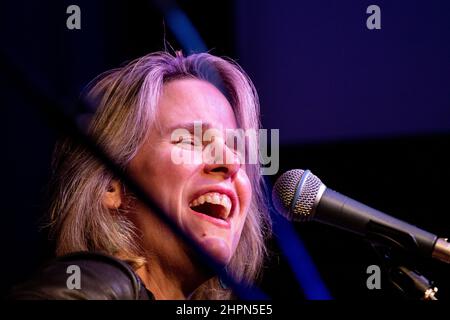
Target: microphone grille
[(294, 194)]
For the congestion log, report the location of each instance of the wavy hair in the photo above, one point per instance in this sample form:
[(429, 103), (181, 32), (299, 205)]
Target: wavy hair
[(126, 101)]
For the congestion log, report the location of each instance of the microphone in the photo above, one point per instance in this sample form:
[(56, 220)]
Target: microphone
[(299, 195)]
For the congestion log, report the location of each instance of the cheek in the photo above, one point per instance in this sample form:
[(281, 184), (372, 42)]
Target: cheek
[(244, 189), (166, 176), (245, 192), (160, 178)]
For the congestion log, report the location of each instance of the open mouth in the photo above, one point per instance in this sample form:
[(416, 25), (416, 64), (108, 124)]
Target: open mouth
[(213, 204)]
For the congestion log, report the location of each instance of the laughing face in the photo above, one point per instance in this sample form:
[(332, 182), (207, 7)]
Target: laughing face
[(209, 201)]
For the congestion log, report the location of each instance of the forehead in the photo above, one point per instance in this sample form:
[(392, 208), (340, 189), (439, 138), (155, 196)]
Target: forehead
[(189, 100)]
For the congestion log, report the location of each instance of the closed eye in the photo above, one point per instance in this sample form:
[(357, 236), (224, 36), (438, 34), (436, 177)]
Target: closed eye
[(187, 140)]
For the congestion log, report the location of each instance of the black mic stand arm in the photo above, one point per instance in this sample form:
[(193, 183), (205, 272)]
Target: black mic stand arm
[(408, 280)]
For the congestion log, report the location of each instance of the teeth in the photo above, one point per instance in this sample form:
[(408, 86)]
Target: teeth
[(214, 198)]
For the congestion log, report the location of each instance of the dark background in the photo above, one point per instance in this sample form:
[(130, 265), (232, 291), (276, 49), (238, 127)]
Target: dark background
[(368, 111)]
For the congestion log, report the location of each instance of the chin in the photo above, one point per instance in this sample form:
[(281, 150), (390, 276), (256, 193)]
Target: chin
[(218, 249)]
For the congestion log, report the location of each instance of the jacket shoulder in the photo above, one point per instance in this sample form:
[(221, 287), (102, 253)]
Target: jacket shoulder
[(83, 276)]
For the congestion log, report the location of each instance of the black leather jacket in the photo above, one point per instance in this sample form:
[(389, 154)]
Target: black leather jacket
[(102, 277)]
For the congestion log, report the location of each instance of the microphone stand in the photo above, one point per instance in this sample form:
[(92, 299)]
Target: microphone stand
[(408, 280)]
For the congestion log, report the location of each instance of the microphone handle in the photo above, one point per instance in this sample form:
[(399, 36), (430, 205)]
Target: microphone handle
[(441, 250), (345, 213)]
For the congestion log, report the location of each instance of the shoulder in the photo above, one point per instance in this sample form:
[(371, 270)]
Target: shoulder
[(83, 275)]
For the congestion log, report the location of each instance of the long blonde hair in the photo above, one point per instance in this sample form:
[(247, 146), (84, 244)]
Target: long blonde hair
[(126, 100)]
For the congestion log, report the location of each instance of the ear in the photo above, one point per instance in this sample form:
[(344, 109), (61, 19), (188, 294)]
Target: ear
[(112, 197)]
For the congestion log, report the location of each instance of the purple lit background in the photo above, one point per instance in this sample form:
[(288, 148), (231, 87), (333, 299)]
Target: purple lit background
[(322, 75)]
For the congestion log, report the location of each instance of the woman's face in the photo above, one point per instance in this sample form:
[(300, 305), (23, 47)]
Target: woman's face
[(209, 201)]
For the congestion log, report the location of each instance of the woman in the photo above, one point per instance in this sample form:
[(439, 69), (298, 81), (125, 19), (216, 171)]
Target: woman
[(219, 204)]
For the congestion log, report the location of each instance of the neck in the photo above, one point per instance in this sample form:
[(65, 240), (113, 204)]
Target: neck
[(167, 282)]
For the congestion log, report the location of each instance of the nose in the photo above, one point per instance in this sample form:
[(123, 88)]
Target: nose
[(226, 165)]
